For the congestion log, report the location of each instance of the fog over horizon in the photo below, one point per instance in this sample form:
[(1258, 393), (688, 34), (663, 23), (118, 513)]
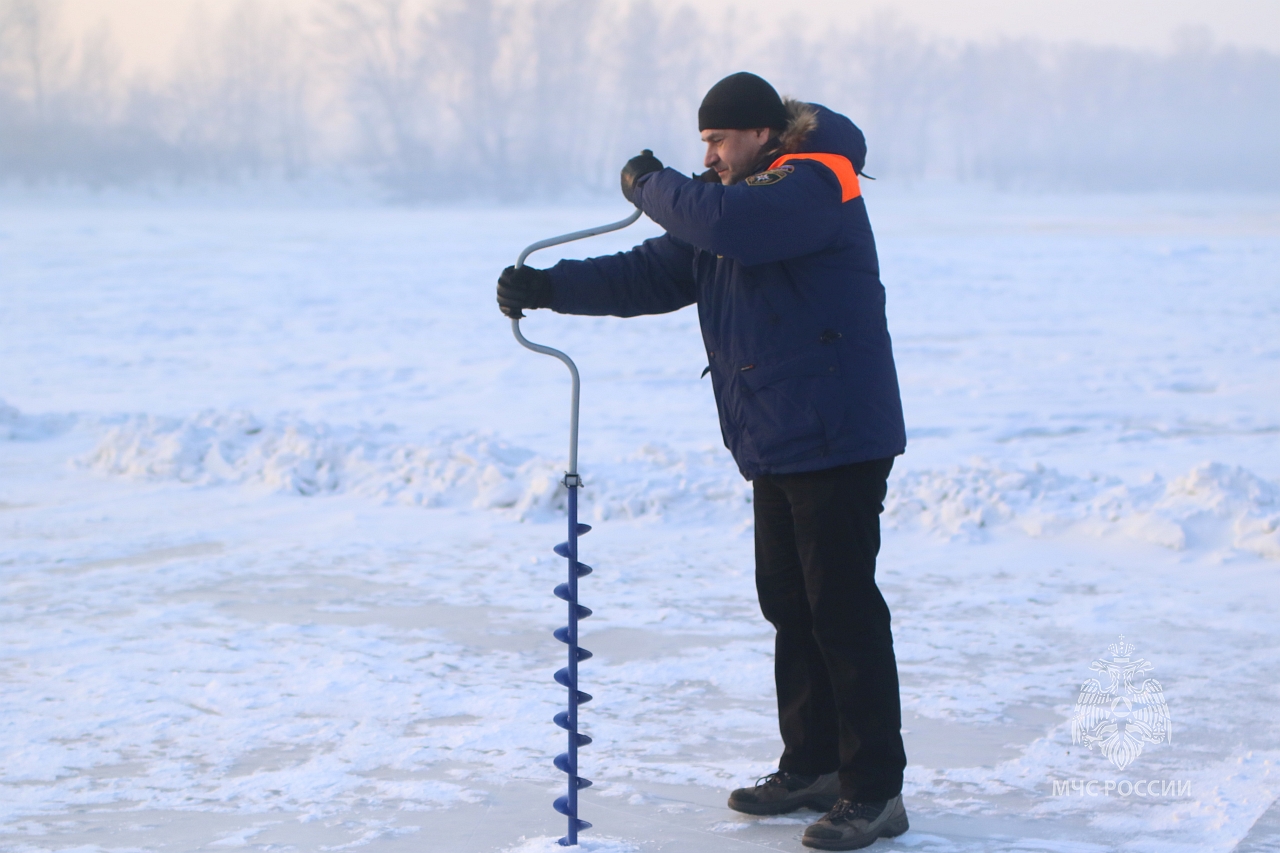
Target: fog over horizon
[(439, 100)]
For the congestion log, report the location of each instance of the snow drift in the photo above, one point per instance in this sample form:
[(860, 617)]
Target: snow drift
[(456, 469), (1212, 506)]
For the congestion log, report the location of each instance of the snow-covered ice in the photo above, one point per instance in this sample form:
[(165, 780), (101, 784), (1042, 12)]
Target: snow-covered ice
[(278, 492)]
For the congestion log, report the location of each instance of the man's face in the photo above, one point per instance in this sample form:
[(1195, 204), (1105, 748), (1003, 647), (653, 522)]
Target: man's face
[(732, 153)]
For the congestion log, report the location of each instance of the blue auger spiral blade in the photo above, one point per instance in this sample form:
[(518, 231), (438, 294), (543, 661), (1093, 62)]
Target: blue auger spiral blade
[(562, 634), (562, 804), (562, 720), (568, 592), (563, 592)]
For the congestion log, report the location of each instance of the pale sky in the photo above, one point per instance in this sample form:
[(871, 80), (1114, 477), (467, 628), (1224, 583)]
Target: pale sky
[(148, 30)]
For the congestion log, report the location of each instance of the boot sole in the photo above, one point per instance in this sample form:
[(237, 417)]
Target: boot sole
[(818, 804), (891, 829)]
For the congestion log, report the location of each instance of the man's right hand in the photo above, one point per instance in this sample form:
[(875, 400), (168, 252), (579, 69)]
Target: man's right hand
[(636, 168), (524, 287)]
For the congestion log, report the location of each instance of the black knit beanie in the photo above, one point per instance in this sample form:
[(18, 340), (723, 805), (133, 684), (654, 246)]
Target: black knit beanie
[(742, 101)]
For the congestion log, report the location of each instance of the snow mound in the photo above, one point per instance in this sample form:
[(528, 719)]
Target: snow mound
[(15, 426), (1214, 505), (454, 470)]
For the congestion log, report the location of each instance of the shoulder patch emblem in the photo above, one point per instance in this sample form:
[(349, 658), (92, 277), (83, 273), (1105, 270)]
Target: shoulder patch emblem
[(772, 176)]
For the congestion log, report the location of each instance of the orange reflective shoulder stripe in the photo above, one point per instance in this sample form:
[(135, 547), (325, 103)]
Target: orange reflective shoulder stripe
[(843, 169)]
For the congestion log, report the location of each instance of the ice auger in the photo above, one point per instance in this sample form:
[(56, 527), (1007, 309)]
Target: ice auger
[(568, 676)]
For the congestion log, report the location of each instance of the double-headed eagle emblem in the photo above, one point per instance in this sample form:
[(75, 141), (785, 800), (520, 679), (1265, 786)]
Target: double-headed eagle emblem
[(1122, 716)]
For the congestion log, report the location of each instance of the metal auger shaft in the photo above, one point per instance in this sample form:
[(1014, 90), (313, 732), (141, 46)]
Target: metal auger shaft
[(568, 676), (568, 591)]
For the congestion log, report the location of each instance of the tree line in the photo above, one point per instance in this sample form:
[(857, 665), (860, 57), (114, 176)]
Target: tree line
[(504, 100)]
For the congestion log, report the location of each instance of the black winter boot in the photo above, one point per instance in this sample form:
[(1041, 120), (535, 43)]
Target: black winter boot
[(852, 826), (779, 793)]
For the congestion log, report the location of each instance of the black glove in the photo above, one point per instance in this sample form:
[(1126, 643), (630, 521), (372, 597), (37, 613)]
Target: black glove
[(524, 287), (636, 168), (711, 176)]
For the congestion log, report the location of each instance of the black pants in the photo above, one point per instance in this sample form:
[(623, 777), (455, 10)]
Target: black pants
[(817, 536)]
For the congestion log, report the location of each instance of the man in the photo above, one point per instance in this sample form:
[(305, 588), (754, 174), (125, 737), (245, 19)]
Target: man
[(774, 246)]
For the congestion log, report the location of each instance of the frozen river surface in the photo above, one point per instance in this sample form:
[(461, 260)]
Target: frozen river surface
[(278, 495)]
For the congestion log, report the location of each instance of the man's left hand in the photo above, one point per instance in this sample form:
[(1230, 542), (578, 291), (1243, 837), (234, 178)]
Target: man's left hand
[(524, 287), (636, 168)]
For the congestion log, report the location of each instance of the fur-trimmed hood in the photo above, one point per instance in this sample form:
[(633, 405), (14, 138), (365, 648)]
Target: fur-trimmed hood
[(814, 129)]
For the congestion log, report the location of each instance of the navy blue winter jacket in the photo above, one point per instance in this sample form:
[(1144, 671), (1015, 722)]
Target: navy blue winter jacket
[(789, 298)]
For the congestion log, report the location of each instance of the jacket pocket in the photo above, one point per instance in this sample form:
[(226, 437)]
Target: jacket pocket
[(791, 407)]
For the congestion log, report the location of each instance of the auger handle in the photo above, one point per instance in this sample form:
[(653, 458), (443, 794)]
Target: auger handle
[(555, 353)]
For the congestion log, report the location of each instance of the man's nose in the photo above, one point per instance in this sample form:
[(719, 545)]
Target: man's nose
[(711, 159)]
